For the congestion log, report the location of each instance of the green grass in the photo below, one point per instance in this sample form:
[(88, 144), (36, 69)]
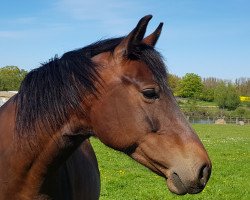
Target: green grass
[(206, 103), (199, 103), (229, 150)]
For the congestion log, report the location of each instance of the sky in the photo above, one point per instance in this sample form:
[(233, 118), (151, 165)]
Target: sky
[(209, 38)]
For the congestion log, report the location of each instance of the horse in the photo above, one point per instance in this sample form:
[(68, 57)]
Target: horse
[(116, 90)]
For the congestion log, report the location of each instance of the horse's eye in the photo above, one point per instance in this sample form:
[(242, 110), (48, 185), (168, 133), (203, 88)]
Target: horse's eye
[(150, 94)]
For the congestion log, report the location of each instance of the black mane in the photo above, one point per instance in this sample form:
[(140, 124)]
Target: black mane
[(50, 93)]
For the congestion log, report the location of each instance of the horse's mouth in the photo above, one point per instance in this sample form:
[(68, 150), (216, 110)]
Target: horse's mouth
[(175, 185), (174, 182)]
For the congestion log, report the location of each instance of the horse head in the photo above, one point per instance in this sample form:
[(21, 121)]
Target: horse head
[(136, 113)]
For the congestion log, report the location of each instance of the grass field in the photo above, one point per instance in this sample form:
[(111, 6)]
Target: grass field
[(229, 150)]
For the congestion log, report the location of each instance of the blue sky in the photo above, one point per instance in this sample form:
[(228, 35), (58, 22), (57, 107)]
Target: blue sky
[(209, 38)]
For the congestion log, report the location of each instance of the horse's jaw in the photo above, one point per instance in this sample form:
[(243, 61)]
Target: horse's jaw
[(176, 183)]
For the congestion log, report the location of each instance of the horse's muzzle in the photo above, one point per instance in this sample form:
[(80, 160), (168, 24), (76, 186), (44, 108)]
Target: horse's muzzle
[(180, 183)]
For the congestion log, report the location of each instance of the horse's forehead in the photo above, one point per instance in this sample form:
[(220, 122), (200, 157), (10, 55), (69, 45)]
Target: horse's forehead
[(102, 58), (138, 69), (135, 69)]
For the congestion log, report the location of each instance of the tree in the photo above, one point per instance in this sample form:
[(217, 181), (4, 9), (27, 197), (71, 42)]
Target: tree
[(11, 77), (209, 84), (233, 99), (173, 82), (207, 94), (226, 96), (243, 86), (220, 95), (190, 86)]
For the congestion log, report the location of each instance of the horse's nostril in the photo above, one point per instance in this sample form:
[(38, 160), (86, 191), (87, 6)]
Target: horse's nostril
[(204, 174)]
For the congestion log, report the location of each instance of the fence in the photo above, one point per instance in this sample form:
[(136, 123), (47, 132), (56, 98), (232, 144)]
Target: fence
[(209, 120)]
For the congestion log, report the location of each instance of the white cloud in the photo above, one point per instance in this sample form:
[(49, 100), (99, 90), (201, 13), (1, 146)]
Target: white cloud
[(18, 21), (93, 10), (44, 31), (25, 20), (11, 34), (107, 14)]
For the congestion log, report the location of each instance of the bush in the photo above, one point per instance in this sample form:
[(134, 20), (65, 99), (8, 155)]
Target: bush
[(240, 111), (207, 94), (226, 96)]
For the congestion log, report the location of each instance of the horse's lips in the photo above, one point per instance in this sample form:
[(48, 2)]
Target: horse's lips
[(175, 185), (173, 181)]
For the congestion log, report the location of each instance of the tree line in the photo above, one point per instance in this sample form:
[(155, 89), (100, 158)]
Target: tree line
[(224, 92), (11, 78)]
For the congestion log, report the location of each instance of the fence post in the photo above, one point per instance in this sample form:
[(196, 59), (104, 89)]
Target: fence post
[(237, 120)]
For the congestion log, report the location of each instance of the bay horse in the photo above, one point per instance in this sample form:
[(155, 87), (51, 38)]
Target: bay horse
[(115, 90)]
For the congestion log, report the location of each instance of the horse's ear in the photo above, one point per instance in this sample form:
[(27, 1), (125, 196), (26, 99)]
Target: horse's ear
[(153, 37), (133, 38)]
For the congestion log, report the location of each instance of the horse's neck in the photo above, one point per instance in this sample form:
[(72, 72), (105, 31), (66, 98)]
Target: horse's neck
[(46, 163), (77, 178), (7, 162), (22, 171)]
